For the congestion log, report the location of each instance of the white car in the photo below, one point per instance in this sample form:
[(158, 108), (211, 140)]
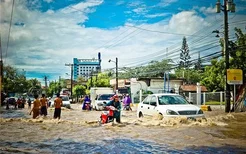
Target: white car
[(101, 100), (65, 101), (168, 105)]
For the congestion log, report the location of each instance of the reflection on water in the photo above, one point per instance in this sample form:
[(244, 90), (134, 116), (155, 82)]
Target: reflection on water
[(107, 146), (79, 132)]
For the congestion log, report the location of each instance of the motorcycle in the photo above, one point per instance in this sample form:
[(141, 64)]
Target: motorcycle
[(108, 115), (88, 105)]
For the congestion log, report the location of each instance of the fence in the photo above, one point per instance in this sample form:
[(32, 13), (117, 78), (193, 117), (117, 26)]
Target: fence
[(214, 98)]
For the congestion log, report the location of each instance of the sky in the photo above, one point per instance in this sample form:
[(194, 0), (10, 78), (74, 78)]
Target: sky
[(46, 34)]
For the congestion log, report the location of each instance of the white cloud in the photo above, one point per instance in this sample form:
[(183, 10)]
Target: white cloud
[(56, 38), (164, 3), (157, 15), (207, 10)]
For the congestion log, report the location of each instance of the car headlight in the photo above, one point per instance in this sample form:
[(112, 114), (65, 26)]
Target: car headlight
[(171, 112), (200, 112)]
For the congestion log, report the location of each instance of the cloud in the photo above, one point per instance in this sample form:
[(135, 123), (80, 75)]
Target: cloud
[(50, 39), (208, 10), (157, 15), (164, 3)]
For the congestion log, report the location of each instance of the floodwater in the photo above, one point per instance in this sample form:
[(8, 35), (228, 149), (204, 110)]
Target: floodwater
[(79, 132)]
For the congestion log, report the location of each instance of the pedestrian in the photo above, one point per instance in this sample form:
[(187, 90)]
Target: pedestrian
[(23, 102), (58, 105), (127, 103), (29, 103), (19, 102), (44, 105), (115, 103), (36, 107)]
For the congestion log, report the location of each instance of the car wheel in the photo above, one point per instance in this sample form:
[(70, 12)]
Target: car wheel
[(140, 115)]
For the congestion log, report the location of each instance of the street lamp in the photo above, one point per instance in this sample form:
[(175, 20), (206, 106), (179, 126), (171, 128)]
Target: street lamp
[(228, 5), (116, 63), (71, 65)]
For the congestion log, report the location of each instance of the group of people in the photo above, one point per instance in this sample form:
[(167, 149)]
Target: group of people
[(40, 106)]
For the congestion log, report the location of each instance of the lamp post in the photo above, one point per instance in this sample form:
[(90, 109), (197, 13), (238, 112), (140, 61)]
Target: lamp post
[(116, 64), (228, 5), (71, 65)]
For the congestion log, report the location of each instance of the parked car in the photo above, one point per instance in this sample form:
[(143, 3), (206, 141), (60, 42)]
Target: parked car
[(65, 101), (101, 100), (168, 105)]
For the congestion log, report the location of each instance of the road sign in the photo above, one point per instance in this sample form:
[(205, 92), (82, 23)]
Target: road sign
[(234, 76)]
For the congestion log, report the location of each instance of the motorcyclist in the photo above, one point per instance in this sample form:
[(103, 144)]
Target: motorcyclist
[(87, 101), (115, 103), (127, 102)]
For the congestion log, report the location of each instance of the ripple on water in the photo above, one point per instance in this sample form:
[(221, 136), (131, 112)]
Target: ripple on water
[(108, 146)]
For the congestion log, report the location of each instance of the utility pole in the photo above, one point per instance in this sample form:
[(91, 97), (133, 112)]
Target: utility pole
[(1, 70), (91, 77), (228, 5), (116, 63), (45, 80), (71, 66)]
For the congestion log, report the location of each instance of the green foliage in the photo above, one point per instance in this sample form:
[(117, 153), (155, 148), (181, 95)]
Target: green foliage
[(238, 51), (191, 76), (102, 80), (184, 55), (14, 81), (79, 90), (214, 76), (153, 69), (53, 88)]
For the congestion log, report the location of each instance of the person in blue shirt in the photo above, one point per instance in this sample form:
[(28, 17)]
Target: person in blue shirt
[(115, 103)]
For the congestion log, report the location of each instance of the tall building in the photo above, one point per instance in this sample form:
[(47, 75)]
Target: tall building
[(85, 67)]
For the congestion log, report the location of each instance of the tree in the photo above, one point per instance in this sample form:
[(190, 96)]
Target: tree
[(153, 69), (184, 55), (214, 76), (101, 80), (79, 90), (14, 81), (53, 88), (191, 75), (237, 52)]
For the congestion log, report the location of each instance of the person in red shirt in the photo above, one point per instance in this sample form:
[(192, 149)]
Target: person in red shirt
[(58, 105)]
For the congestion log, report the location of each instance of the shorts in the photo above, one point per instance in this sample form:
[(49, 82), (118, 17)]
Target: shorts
[(35, 113), (44, 110), (57, 113)]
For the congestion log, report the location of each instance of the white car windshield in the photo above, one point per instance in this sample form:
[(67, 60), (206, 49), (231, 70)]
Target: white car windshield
[(171, 100), (105, 96)]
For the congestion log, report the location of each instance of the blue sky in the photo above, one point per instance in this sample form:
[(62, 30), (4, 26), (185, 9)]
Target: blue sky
[(46, 34)]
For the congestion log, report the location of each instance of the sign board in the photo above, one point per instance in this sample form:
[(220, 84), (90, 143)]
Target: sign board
[(234, 76)]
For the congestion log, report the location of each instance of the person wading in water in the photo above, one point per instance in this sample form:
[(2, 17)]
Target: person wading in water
[(58, 105)]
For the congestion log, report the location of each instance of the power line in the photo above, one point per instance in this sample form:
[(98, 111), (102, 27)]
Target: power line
[(10, 24)]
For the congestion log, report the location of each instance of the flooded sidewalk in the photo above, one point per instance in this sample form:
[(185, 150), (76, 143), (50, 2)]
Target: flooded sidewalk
[(79, 132)]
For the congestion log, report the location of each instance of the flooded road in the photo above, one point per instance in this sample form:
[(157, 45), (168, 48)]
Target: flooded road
[(79, 132)]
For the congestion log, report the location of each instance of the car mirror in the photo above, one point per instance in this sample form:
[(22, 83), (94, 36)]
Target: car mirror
[(190, 102)]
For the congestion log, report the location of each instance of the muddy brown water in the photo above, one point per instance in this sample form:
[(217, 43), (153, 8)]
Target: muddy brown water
[(79, 132)]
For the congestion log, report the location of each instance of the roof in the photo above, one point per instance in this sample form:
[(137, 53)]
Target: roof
[(192, 88)]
